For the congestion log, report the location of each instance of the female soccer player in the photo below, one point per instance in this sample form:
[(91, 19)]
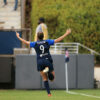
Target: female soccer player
[(44, 59)]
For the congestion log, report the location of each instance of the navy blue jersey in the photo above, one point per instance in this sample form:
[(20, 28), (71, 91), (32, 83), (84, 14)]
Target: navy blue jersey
[(42, 48)]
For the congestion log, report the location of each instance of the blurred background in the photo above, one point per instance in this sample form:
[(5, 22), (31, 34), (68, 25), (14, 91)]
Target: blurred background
[(82, 16)]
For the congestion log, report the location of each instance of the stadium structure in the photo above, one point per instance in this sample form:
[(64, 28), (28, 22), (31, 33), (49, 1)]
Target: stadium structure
[(16, 74)]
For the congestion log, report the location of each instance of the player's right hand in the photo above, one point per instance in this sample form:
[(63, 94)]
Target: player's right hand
[(17, 34)]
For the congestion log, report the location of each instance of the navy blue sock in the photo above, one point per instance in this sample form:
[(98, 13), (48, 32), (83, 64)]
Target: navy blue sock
[(46, 84), (50, 76)]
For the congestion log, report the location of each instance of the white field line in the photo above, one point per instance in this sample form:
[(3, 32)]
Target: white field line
[(75, 93)]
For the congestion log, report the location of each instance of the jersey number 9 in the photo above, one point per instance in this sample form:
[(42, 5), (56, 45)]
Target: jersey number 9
[(42, 48)]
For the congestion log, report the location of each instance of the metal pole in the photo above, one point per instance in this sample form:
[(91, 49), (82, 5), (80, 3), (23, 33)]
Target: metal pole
[(66, 75)]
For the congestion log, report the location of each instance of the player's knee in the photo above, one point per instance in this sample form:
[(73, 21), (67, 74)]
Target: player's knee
[(44, 79)]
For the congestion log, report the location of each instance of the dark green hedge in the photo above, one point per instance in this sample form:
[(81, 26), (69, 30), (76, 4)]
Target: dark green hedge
[(82, 16)]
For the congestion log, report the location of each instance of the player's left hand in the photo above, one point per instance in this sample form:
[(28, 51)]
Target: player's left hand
[(68, 31)]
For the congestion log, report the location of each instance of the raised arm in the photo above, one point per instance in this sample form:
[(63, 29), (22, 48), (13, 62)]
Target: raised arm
[(68, 31), (21, 39)]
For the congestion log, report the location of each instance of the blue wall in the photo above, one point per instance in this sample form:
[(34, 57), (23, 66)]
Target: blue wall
[(8, 41)]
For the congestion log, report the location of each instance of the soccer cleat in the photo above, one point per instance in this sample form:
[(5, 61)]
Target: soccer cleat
[(46, 70), (49, 95)]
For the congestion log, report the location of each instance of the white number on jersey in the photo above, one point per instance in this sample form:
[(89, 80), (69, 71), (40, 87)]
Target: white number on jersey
[(42, 48)]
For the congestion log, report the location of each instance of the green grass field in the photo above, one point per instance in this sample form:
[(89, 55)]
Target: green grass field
[(41, 95)]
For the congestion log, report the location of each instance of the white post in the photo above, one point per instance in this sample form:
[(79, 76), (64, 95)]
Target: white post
[(77, 48), (55, 49), (66, 76)]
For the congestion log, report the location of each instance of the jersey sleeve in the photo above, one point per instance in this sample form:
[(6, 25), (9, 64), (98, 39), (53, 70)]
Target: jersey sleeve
[(32, 44), (51, 42)]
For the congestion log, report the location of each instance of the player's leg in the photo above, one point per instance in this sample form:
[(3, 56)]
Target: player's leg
[(51, 75), (46, 83)]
